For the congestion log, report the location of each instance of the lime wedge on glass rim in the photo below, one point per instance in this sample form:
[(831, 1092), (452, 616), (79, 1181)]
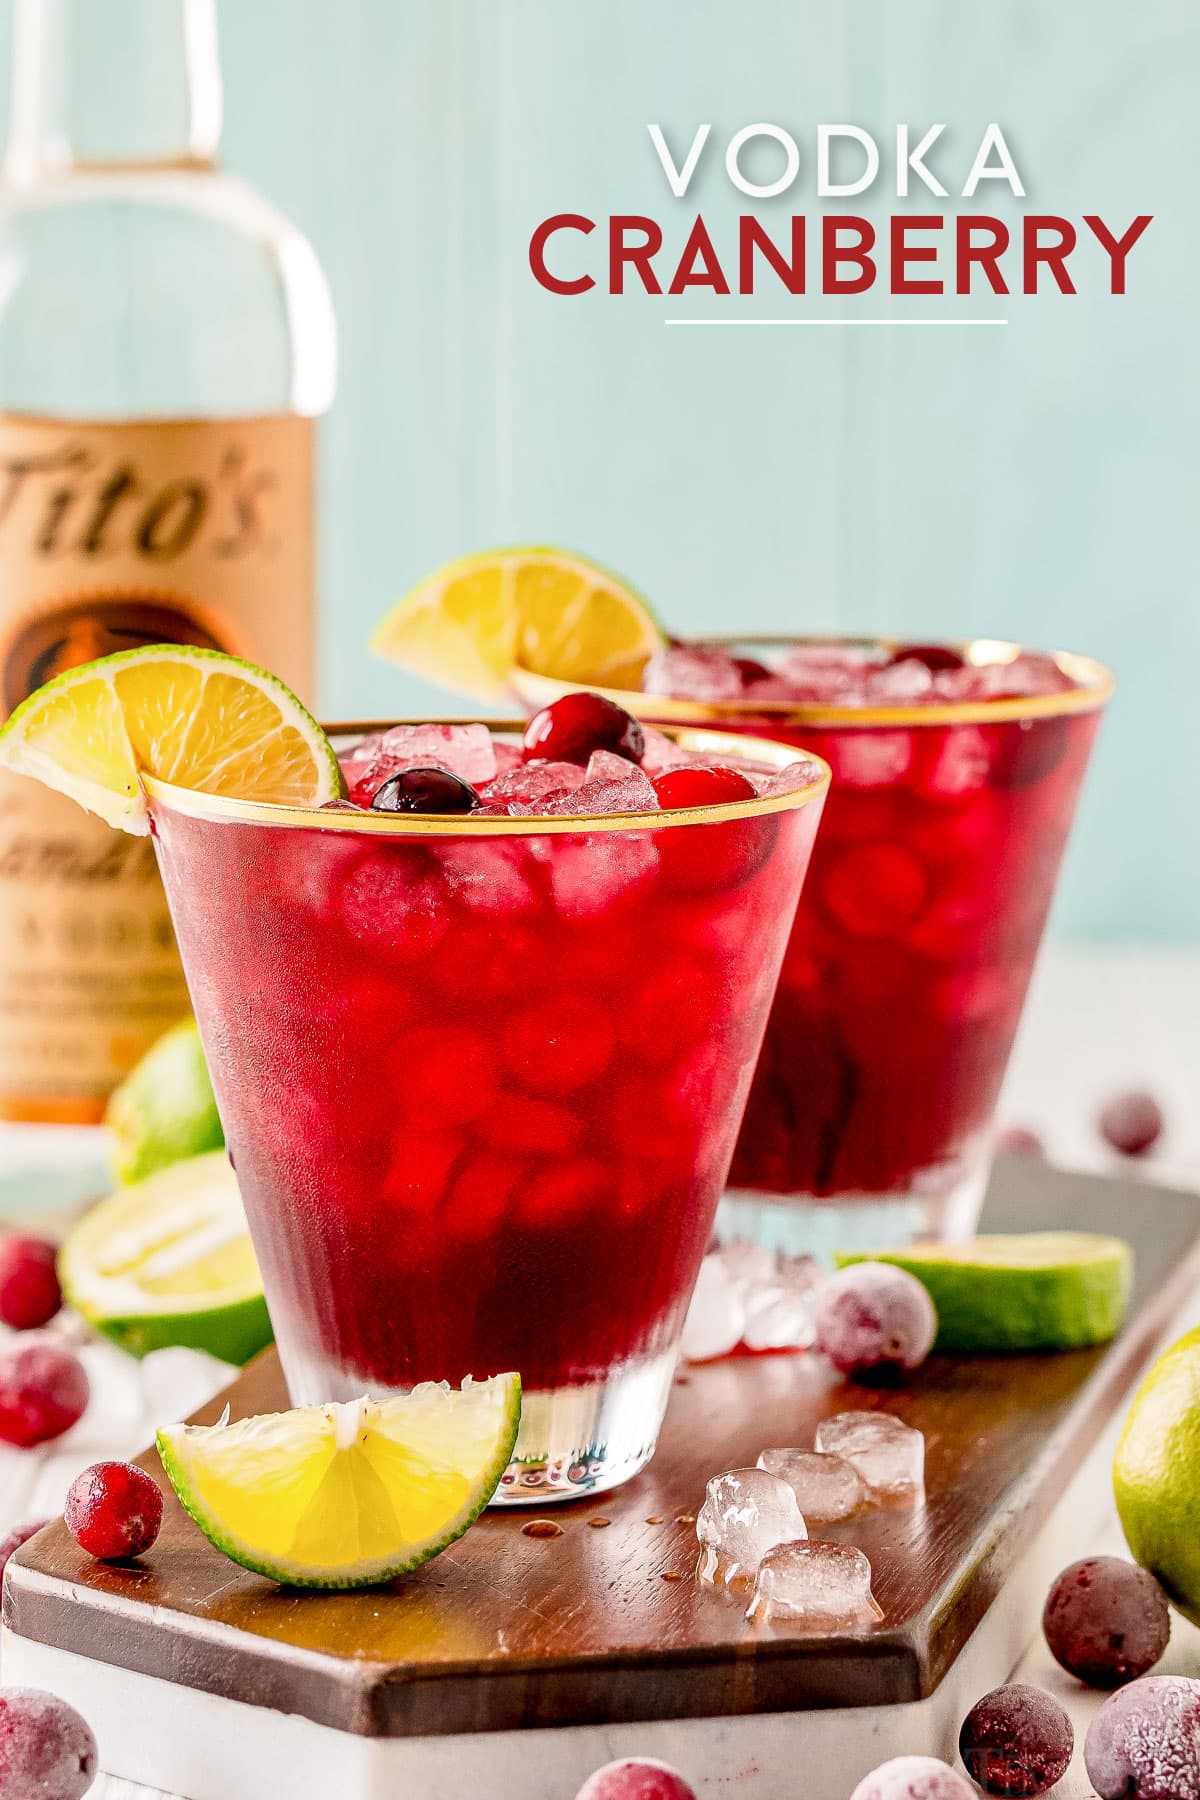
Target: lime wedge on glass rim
[(347, 1495), (193, 717), (169, 1260), (1040, 1290)]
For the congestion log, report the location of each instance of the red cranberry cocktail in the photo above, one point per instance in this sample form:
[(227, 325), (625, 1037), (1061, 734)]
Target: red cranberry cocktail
[(481, 1036), (956, 770)]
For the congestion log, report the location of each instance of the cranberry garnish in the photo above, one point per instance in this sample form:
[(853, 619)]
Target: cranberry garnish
[(425, 791), (46, 1749), (43, 1390), (570, 729), (20, 1534), (750, 669), (114, 1510), (936, 657), (29, 1291), (697, 784), (1132, 1123)]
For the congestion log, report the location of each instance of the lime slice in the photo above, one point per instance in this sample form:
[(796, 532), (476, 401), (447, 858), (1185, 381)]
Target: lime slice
[(169, 1261), (469, 624), (164, 1109), (344, 1496), (1154, 1474), (1048, 1290), (186, 715)]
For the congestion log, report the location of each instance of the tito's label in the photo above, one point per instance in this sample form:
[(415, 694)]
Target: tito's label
[(193, 532)]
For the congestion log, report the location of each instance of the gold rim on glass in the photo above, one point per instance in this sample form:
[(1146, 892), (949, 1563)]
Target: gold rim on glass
[(718, 743), (1095, 684)]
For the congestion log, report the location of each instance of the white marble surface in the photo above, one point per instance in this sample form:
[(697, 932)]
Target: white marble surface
[(1097, 1021)]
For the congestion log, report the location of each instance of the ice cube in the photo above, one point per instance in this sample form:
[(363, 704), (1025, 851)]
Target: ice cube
[(716, 1316), (661, 753), (781, 1310), (1022, 677), (633, 793), (592, 872), (606, 765), (888, 1454), (693, 672), (827, 1488), (868, 757), (466, 750), (825, 1586), (509, 756), (903, 683), (532, 783), (746, 1512), (961, 763), (793, 776), (825, 674)]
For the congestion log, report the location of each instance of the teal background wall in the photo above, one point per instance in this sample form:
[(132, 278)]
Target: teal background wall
[(1036, 482)]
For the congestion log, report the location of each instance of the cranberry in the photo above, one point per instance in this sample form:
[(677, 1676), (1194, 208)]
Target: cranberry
[(29, 1291), (425, 791), (874, 1320), (20, 1534), (750, 669), (1132, 1123), (46, 1749), (114, 1510), (570, 729), (1106, 1621), (936, 657), (1016, 1741), (696, 784), (43, 1390), (636, 1779), (1020, 1140)]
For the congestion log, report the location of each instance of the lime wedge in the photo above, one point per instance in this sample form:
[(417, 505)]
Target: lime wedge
[(1047, 1290), (164, 1109), (186, 715), (469, 624), (169, 1261), (345, 1496)]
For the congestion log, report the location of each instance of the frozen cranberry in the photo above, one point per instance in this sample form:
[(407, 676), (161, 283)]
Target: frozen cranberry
[(696, 784), (1016, 1741), (874, 1319), (1019, 1140), (913, 1778), (425, 791), (114, 1510), (636, 1779), (47, 1752), (1106, 1621), (43, 1390), (1132, 1123), (750, 669), (1144, 1743), (29, 1291), (571, 728), (936, 657), (20, 1534)]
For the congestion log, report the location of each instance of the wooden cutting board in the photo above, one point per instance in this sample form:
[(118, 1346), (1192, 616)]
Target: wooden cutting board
[(603, 1623)]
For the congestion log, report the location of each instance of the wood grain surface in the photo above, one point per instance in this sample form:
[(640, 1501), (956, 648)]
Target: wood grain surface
[(507, 1630)]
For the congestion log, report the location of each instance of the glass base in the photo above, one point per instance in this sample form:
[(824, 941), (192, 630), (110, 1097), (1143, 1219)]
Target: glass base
[(582, 1439), (798, 1224)]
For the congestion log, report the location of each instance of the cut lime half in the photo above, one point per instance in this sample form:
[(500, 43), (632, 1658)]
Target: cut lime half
[(186, 715), (169, 1261), (348, 1495), (1045, 1290)]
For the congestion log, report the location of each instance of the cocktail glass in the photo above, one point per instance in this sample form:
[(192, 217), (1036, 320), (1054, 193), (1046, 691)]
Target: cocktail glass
[(481, 1079), (871, 1115)]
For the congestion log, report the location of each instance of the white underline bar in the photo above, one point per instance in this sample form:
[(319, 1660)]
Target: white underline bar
[(837, 322)]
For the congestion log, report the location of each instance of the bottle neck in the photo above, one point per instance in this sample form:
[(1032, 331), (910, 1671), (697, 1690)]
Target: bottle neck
[(113, 84)]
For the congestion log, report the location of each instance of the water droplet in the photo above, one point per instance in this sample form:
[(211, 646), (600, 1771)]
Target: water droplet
[(541, 1528), (685, 1519), (599, 1524), (654, 1519), (672, 1575)]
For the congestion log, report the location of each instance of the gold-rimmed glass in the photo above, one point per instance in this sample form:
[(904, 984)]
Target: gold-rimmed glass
[(870, 1118), (481, 1080)]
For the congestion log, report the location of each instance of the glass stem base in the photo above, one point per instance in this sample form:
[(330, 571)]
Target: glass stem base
[(799, 1224)]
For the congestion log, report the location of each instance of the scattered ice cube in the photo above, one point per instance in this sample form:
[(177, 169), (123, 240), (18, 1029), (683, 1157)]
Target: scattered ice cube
[(693, 672), (827, 1488), (716, 1316), (826, 1586), (633, 793), (889, 1455), (746, 1512), (781, 1307)]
